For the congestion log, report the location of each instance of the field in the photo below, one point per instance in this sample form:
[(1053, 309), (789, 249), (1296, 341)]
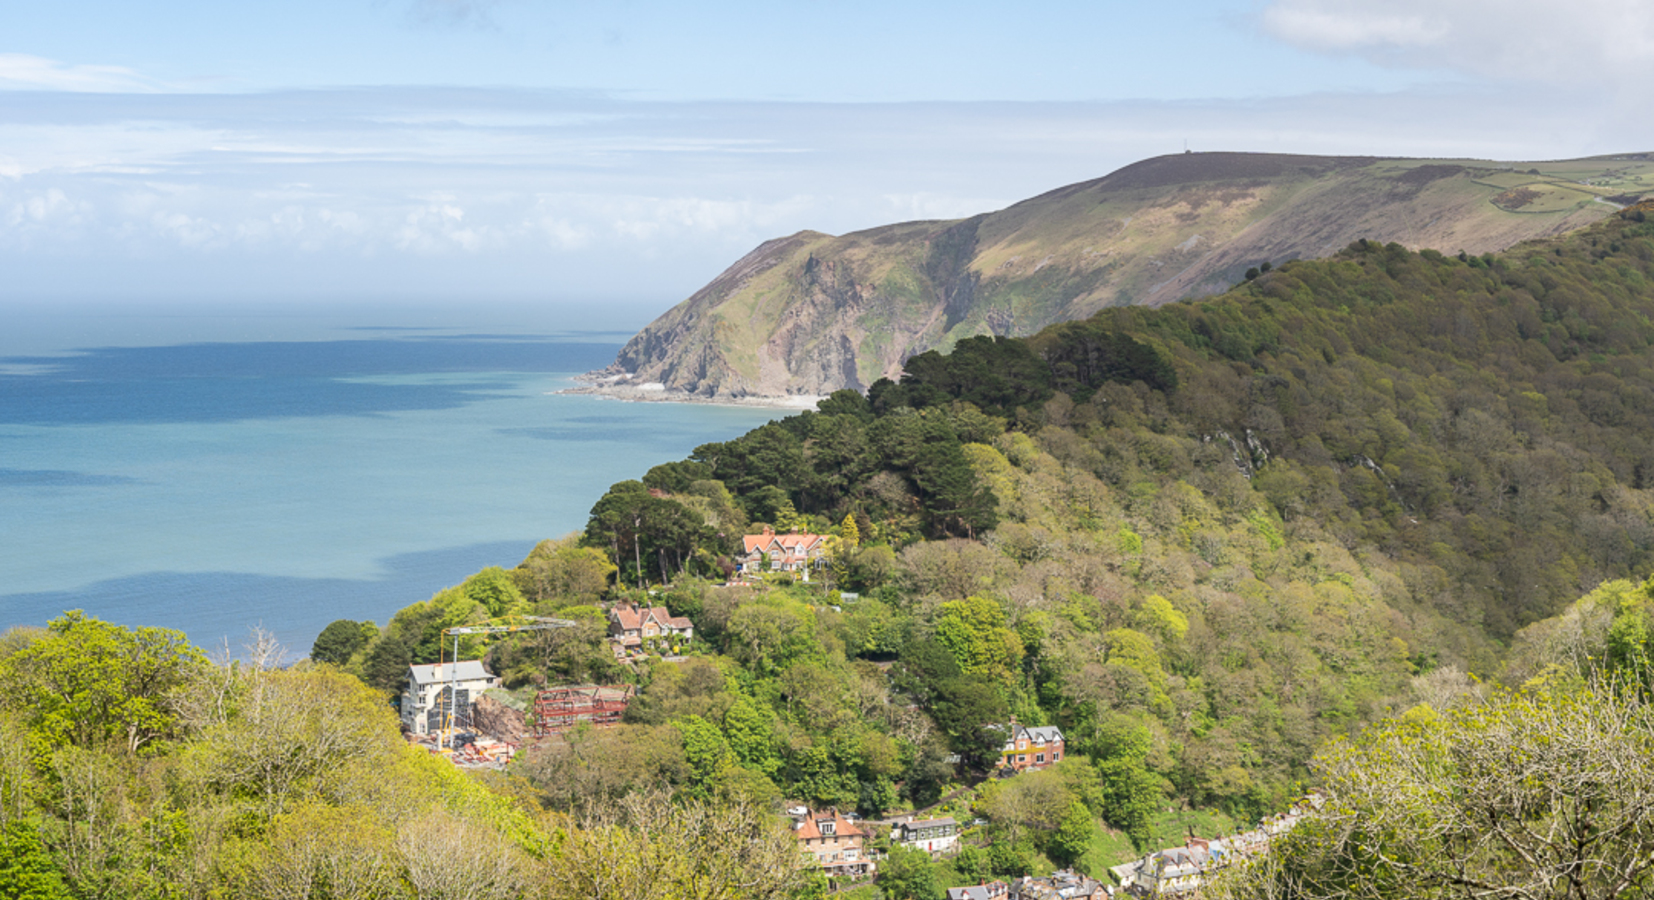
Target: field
[(1555, 187)]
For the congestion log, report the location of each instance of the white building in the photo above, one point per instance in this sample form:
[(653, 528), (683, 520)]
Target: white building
[(934, 836), (425, 697)]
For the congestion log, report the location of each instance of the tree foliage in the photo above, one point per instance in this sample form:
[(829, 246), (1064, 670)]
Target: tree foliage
[(1535, 793), (340, 640), (88, 683)]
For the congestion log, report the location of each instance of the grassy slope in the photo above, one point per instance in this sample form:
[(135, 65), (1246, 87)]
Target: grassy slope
[(1151, 233)]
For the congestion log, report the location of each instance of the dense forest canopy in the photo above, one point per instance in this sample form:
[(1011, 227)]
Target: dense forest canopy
[(1202, 539)]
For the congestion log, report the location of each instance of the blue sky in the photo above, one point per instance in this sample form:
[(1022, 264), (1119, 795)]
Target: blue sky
[(627, 151)]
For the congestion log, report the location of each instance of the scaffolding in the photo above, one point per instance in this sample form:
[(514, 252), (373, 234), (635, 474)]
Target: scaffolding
[(560, 709)]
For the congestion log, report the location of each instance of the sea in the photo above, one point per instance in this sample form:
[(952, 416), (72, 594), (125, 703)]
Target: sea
[(223, 468)]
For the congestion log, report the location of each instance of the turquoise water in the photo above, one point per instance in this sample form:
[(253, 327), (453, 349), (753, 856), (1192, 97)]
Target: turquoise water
[(341, 471)]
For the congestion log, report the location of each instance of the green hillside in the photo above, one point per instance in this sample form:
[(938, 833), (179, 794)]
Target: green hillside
[(812, 313), (1207, 541)]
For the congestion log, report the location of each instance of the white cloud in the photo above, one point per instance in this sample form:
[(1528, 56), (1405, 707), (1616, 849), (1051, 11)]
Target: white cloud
[(20, 71), (385, 189), (1604, 44), (189, 231), (438, 227), (48, 215)]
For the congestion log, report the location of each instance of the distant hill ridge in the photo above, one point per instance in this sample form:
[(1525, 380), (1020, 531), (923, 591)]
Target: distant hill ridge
[(811, 313)]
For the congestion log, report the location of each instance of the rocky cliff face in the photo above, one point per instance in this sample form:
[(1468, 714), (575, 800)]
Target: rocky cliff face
[(811, 313)]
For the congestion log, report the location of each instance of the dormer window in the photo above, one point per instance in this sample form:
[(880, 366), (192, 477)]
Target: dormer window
[(827, 827)]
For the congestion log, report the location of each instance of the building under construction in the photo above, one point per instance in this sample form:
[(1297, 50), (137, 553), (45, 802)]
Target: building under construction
[(560, 709)]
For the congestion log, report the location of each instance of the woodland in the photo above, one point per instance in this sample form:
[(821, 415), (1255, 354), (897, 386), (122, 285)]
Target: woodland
[(1234, 547)]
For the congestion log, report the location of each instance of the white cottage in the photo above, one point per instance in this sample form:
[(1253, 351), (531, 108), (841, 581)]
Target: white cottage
[(934, 836), (425, 696)]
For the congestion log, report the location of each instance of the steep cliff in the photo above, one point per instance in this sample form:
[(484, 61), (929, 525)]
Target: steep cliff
[(811, 313)]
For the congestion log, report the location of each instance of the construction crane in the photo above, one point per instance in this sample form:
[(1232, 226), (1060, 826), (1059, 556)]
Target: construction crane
[(503, 625)]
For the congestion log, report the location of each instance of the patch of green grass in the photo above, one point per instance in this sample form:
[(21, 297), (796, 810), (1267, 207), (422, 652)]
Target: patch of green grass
[(1108, 848), (860, 892)]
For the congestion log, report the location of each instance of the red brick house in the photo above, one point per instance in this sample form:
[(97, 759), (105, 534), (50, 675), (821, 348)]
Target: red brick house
[(643, 630), (1032, 748)]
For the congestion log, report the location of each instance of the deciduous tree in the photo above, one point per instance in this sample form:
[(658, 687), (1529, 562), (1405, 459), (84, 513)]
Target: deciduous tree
[(1540, 793), (89, 683)]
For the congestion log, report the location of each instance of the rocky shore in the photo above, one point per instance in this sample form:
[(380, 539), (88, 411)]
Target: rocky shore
[(622, 387)]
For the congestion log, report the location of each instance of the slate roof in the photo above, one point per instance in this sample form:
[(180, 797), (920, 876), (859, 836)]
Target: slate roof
[(1062, 885), (978, 891), (911, 827), (1180, 861), (1042, 734), (464, 670)]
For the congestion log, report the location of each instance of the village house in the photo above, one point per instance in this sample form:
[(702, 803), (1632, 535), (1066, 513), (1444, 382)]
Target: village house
[(1031, 748), (834, 842), (785, 552), (637, 631), (426, 695), (1175, 871), (1062, 885), (993, 890), (1180, 871), (934, 836)]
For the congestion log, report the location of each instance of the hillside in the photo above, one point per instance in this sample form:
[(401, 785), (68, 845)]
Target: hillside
[(1201, 538), (812, 313), (1204, 540)]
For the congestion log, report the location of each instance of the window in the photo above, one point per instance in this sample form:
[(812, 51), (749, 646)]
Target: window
[(1040, 758), (827, 827), (1022, 758)]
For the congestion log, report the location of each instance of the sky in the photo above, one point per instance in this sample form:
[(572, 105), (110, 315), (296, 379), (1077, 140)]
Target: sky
[(621, 154)]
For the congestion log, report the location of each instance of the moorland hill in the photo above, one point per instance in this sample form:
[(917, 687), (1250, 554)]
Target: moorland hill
[(812, 313)]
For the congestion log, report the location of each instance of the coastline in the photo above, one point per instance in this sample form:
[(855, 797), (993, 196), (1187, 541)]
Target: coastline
[(658, 393)]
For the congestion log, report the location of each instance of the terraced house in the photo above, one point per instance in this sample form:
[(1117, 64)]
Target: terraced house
[(993, 890), (934, 836), (1065, 884), (1032, 748)]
